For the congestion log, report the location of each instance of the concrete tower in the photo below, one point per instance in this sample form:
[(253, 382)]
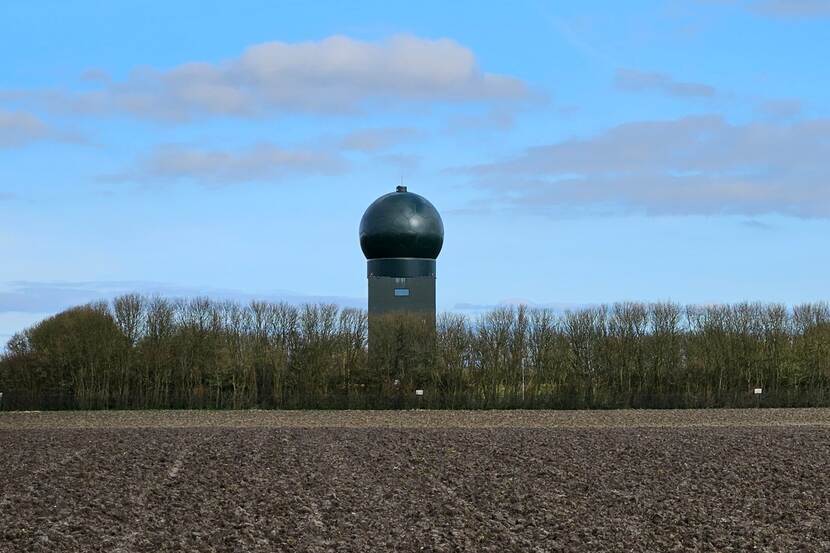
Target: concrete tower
[(401, 235)]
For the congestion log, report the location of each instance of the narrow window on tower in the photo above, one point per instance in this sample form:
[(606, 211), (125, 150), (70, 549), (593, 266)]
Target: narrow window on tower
[(401, 292)]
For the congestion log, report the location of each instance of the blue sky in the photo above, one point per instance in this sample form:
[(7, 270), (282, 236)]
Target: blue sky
[(579, 152)]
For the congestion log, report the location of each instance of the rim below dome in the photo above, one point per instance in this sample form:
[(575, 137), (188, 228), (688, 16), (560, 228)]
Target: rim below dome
[(400, 267)]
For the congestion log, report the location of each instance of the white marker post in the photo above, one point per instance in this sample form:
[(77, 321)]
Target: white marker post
[(419, 394), (758, 392)]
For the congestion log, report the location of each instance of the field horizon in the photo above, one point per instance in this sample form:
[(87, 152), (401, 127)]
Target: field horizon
[(416, 418)]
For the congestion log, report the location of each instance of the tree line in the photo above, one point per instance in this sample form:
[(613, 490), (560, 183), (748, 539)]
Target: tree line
[(141, 352)]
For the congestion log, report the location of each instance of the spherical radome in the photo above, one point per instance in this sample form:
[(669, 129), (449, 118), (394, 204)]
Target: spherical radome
[(401, 224)]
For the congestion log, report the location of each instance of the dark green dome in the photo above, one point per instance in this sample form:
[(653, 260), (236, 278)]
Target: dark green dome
[(401, 224)]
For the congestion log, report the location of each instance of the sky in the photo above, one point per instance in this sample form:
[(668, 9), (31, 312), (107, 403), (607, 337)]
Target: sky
[(579, 152)]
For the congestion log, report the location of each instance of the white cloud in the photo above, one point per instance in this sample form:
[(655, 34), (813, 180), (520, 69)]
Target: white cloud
[(492, 120), (405, 163), (638, 81), (19, 128), (782, 9), (336, 74), (783, 108), (215, 167), (692, 165), (373, 140), (793, 8)]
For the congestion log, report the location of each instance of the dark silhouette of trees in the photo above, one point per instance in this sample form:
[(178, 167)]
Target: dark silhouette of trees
[(138, 352)]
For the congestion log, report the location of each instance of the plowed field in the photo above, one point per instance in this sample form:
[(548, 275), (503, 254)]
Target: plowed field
[(754, 480)]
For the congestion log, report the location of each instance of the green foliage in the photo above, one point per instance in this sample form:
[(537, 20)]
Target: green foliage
[(156, 353)]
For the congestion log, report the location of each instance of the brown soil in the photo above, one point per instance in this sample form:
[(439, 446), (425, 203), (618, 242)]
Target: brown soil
[(415, 481)]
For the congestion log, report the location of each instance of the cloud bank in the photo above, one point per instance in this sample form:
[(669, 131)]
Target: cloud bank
[(701, 165), (335, 75)]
